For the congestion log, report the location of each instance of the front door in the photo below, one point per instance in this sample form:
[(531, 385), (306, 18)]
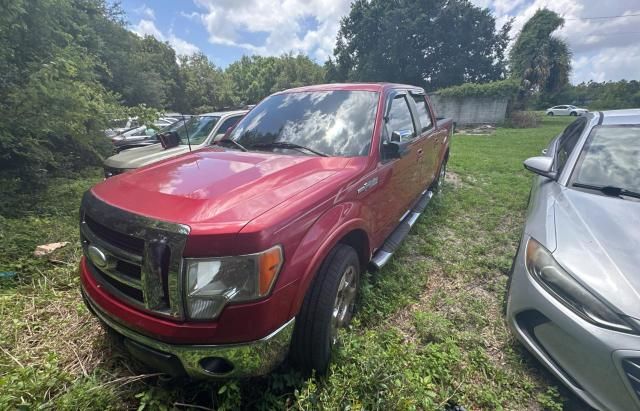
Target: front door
[(400, 178)]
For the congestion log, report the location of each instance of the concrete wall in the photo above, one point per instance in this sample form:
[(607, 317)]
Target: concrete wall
[(471, 110)]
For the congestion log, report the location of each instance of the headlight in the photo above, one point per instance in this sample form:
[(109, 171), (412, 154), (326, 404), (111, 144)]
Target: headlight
[(214, 282), (544, 268)]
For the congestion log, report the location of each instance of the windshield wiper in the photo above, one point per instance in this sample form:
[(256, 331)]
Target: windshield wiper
[(228, 140), (611, 191), (286, 144)]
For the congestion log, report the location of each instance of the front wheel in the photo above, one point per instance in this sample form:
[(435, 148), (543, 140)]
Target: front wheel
[(550, 113), (573, 114), (327, 307)]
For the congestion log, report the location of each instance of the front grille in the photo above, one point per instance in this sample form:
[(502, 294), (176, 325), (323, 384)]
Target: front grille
[(631, 367), (135, 258), (124, 241)]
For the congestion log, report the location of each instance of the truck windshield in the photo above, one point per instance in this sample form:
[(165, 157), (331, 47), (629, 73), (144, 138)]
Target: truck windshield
[(199, 128), (610, 158), (334, 123)]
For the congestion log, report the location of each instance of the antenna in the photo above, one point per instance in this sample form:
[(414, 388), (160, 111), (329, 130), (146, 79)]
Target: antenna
[(186, 130)]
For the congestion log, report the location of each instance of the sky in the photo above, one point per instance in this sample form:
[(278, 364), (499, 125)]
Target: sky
[(603, 48)]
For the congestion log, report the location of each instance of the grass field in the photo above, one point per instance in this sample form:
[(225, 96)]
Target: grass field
[(429, 333)]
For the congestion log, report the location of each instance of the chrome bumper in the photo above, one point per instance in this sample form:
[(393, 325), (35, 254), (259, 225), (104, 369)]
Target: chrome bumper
[(246, 359)]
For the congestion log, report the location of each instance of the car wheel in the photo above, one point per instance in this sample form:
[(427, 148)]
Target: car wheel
[(328, 306), (439, 183), (550, 113), (508, 286), (573, 113)]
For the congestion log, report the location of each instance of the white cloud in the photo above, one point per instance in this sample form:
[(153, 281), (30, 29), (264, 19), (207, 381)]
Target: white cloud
[(603, 49), (146, 12), (181, 46), (283, 24)]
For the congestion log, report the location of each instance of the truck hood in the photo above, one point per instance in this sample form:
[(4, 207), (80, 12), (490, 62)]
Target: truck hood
[(142, 156), (221, 190), (598, 242)]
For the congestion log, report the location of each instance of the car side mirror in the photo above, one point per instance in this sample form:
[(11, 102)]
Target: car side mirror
[(219, 136), (399, 136), (169, 139), (541, 165)]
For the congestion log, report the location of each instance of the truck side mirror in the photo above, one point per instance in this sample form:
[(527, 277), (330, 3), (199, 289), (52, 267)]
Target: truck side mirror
[(394, 149), (541, 165)]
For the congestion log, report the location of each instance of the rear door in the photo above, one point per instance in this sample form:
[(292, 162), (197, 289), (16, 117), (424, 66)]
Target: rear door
[(429, 149)]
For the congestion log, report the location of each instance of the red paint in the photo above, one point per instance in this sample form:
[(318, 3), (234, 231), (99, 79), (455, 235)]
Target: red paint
[(244, 202)]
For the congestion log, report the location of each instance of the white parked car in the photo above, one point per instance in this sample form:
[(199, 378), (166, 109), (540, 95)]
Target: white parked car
[(567, 110)]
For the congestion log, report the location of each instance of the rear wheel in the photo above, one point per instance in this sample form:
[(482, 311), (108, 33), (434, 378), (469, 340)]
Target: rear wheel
[(327, 307), (442, 173)]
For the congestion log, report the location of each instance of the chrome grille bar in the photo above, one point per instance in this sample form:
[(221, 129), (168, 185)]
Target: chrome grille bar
[(159, 264)]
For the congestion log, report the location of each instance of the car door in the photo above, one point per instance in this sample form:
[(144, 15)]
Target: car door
[(397, 179), (426, 140), (563, 111)]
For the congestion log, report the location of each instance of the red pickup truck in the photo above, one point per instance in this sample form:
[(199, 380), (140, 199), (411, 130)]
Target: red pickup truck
[(221, 261)]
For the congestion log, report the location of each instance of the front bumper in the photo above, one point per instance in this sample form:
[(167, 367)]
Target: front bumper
[(203, 361), (595, 363)]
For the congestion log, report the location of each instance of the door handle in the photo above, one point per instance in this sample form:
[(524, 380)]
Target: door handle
[(420, 152)]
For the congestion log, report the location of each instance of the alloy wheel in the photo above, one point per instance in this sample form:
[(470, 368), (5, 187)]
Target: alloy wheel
[(345, 301)]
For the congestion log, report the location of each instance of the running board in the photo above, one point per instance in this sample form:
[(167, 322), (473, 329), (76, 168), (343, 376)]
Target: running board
[(391, 244)]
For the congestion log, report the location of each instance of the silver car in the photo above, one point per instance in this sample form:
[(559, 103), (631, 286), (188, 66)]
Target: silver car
[(200, 131), (574, 292)]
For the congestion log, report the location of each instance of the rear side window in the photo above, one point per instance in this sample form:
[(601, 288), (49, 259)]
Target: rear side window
[(400, 118), (423, 112), (568, 141), (228, 123)]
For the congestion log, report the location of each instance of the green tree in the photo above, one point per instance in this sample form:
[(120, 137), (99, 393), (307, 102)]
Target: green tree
[(540, 61), (433, 43), (256, 77), (205, 86), (52, 96)]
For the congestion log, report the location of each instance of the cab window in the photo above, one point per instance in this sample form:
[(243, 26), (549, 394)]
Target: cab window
[(400, 118)]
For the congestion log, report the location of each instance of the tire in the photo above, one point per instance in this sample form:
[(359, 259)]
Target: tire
[(436, 187), (573, 114), (550, 113), (328, 305)]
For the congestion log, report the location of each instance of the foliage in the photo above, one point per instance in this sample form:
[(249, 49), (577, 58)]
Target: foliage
[(523, 119), (608, 95), (69, 67), (540, 61), (256, 77), (428, 332), (433, 43), (205, 86), (500, 88)]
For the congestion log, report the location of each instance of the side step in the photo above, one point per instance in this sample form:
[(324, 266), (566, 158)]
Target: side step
[(391, 244)]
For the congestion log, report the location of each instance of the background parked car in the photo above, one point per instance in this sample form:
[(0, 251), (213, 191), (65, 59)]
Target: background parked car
[(201, 131), (567, 110), (574, 286), (143, 135)]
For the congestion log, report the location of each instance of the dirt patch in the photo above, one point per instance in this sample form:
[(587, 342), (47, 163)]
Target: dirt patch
[(453, 179)]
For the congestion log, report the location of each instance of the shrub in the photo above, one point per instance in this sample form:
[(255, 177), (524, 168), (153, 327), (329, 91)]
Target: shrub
[(501, 88), (523, 119)]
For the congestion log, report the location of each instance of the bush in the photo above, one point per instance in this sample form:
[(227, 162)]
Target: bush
[(523, 119), (501, 88)]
